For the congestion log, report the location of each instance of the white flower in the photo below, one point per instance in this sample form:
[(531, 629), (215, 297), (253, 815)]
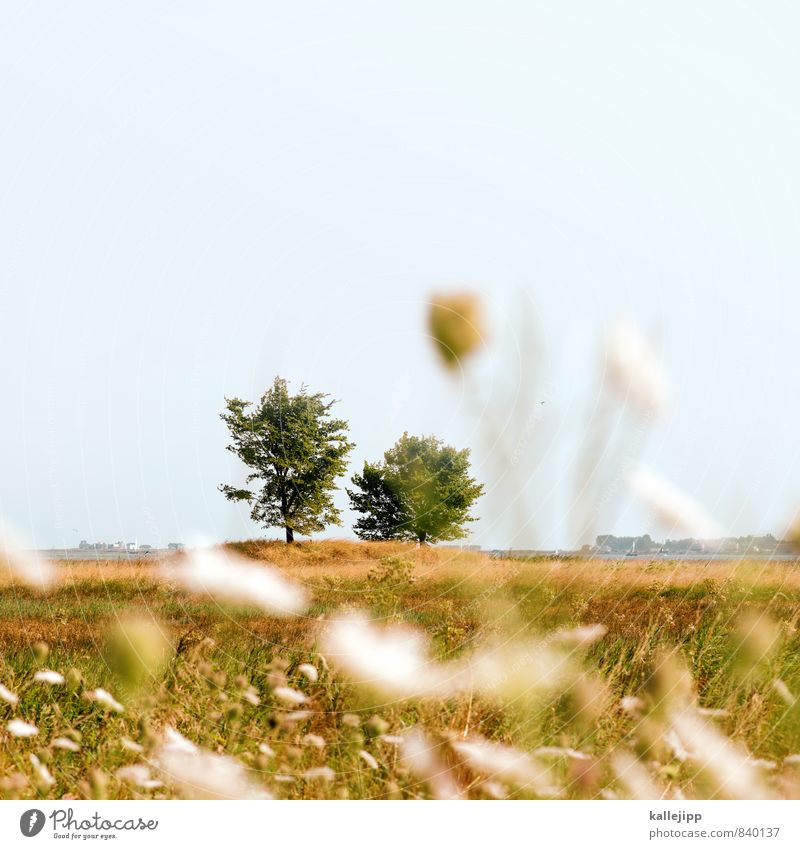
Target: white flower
[(560, 752), (420, 756), (289, 695), (519, 670), (266, 750), (314, 740), (200, 774), (368, 759), (103, 697), (174, 741), (393, 661), (633, 370), (130, 745), (251, 696), (505, 764), (138, 775), (672, 740), (582, 636), (635, 778), (48, 676), (230, 578), (42, 772), (784, 692), (18, 728), (319, 773), (23, 563), (631, 704), (66, 744), (672, 508), (288, 719), (727, 767), (309, 671), (713, 712), (7, 696)]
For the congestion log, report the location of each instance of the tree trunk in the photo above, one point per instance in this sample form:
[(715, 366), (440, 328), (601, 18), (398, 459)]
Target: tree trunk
[(422, 537), (289, 535)]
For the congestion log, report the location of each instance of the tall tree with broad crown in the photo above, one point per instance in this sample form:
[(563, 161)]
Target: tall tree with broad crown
[(422, 491), (295, 450)]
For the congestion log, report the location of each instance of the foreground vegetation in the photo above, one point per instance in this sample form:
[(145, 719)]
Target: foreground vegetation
[(628, 679)]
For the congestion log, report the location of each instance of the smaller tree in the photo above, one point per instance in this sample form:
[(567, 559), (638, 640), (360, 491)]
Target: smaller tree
[(422, 491), (296, 450)]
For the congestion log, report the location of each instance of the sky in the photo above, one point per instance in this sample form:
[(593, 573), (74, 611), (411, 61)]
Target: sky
[(196, 197)]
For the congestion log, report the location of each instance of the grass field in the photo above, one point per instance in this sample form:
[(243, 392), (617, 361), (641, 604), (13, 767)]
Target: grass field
[(687, 691)]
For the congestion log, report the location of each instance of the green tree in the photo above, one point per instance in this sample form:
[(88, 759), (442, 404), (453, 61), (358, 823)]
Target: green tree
[(422, 490), (296, 450)]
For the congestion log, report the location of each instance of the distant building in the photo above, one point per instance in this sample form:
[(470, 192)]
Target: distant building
[(175, 546)]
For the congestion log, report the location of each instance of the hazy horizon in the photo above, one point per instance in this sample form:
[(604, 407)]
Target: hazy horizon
[(194, 203)]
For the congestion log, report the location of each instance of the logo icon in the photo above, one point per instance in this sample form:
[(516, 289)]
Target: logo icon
[(31, 822)]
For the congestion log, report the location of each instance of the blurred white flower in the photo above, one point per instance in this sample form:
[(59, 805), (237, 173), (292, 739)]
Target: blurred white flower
[(582, 636), (266, 750), (289, 696), (633, 370), (130, 745), (314, 740), (524, 669), (103, 697), (506, 764), (18, 728), (319, 773), (66, 744), (631, 704), (174, 741), (422, 758), (48, 676), (716, 713), (293, 716), (138, 775), (23, 563), (672, 740), (784, 692), (200, 774), (394, 661), (251, 696), (673, 508), (309, 671), (368, 759), (726, 767), (560, 752), (7, 696), (763, 763), (228, 577), (635, 778), (42, 772)]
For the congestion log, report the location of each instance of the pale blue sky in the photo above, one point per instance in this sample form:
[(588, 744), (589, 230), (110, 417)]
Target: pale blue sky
[(197, 196)]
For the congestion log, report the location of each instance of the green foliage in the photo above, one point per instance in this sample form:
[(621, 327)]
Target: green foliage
[(296, 451), (422, 490)]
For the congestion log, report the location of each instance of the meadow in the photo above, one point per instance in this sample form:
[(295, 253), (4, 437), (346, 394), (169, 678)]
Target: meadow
[(448, 675)]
